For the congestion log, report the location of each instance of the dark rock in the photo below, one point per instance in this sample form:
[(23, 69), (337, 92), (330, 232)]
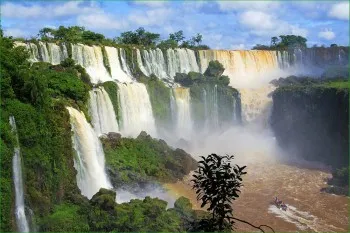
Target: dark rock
[(114, 136), (105, 199)]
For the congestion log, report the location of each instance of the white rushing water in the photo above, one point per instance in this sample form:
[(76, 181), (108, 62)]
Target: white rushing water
[(116, 68), (125, 67), (89, 160), (184, 124), (90, 57), (21, 218), (102, 112), (136, 110), (165, 66)]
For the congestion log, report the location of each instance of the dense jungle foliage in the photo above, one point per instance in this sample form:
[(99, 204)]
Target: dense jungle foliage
[(138, 38), (37, 95), (142, 159)]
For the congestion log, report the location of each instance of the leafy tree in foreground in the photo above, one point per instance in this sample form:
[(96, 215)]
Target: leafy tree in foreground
[(217, 184)]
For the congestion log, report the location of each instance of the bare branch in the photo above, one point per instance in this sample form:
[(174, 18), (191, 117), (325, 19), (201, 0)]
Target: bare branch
[(256, 227)]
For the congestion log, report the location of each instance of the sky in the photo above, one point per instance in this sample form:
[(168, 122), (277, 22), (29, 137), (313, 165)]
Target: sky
[(223, 24)]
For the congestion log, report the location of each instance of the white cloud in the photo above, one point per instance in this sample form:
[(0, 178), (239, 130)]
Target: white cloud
[(101, 21), (340, 11), (257, 20), (151, 3), (327, 34), (151, 17), (264, 24), (16, 10), (238, 46), (15, 32), (248, 5)]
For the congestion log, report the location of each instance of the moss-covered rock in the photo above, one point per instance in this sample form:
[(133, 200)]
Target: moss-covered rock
[(144, 159), (312, 121)]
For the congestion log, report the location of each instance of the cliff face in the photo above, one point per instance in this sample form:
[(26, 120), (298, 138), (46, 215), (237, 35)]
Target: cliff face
[(312, 122)]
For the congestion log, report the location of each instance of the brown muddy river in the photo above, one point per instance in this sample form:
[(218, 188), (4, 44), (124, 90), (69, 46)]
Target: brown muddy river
[(309, 209)]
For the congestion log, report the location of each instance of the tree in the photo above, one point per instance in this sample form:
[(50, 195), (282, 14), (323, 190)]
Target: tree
[(215, 69), (139, 37), (333, 45), (177, 36), (217, 184), (292, 41), (274, 41), (197, 39), (46, 33)]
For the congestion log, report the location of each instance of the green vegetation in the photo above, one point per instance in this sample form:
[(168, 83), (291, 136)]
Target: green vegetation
[(284, 42), (210, 88), (36, 95), (160, 99), (294, 83), (73, 34), (132, 160), (112, 89)]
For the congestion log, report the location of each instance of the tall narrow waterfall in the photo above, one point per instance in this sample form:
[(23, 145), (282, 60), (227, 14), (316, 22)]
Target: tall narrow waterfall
[(116, 69), (136, 108), (242, 66), (89, 160), (125, 67), (181, 61), (21, 218), (183, 108), (210, 97), (92, 60), (103, 116)]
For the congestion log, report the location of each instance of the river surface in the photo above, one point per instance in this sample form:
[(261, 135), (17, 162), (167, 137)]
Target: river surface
[(309, 209)]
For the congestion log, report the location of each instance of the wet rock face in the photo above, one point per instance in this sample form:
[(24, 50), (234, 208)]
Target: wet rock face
[(312, 123)]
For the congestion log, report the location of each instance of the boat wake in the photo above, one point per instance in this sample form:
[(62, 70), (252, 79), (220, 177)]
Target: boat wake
[(303, 220)]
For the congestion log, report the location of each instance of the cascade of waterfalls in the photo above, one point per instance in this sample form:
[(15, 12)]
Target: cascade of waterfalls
[(136, 110), (184, 124), (102, 113), (89, 160), (114, 63), (91, 58), (21, 218)]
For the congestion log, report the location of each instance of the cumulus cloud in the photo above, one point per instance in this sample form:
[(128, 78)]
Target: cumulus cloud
[(238, 47), (327, 34), (151, 3), (340, 11), (152, 17), (264, 24), (101, 21), (19, 11), (15, 32), (227, 6)]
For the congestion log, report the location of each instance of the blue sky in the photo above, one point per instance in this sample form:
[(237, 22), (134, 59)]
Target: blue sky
[(223, 24)]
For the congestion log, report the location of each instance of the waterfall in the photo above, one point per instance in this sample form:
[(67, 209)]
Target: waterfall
[(21, 218), (89, 160), (242, 67), (91, 59), (136, 110), (256, 105), (45, 56), (101, 110), (211, 108), (57, 54), (154, 63), (183, 108), (124, 63), (181, 61), (116, 70)]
